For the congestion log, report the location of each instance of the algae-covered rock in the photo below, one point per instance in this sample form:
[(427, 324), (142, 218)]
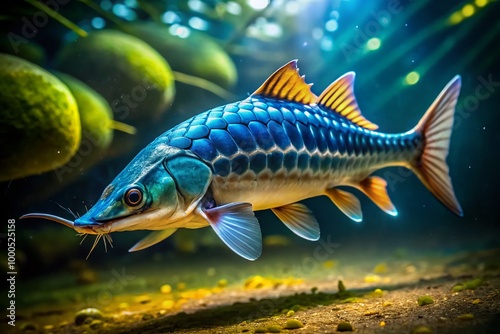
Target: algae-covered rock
[(473, 284), (422, 330), (344, 327), (39, 121), (96, 121), (134, 78), (88, 313), (425, 300), (466, 316), (274, 329), (293, 324), (189, 51), (341, 286)]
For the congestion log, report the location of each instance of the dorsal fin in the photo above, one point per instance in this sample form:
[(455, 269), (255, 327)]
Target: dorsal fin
[(287, 84), (339, 97)]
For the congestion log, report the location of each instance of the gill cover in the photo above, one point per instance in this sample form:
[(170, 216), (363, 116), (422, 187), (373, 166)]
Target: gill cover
[(191, 175)]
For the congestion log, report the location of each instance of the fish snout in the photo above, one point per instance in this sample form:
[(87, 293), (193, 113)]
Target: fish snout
[(88, 225)]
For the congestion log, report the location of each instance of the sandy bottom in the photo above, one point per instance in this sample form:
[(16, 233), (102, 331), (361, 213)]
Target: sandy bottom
[(216, 292)]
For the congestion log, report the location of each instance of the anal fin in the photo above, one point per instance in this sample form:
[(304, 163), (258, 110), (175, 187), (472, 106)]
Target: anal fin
[(152, 239), (237, 227), (346, 202), (299, 219), (375, 188)]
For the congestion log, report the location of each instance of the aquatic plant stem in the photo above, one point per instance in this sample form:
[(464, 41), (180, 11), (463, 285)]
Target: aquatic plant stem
[(119, 126), (203, 84), (150, 10), (59, 18)]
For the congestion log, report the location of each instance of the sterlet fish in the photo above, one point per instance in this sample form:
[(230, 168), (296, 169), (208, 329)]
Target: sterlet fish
[(279, 146)]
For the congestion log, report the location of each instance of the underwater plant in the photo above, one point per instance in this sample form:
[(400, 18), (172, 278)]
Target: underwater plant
[(39, 121)]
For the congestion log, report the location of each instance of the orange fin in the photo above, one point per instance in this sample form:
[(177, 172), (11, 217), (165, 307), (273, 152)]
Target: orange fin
[(375, 188), (436, 126), (299, 219), (339, 97), (287, 84), (347, 203)]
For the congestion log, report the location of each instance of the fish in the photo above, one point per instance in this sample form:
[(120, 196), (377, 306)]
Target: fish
[(280, 145)]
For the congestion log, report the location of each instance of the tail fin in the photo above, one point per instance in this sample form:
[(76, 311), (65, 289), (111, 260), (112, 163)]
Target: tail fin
[(435, 127)]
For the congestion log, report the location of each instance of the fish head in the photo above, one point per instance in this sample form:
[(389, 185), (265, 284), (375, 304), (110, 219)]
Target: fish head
[(149, 196)]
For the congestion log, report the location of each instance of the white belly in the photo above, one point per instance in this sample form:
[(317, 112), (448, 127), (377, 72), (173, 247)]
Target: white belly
[(271, 192)]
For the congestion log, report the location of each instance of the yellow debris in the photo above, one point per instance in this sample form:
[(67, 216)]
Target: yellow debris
[(276, 240), (476, 301), (222, 283), (255, 282), (143, 299), (259, 282), (330, 264), (168, 304), (291, 281), (371, 312), (165, 288), (372, 278), (196, 294), (380, 268), (123, 306), (216, 289), (181, 301), (382, 324), (466, 316), (377, 293)]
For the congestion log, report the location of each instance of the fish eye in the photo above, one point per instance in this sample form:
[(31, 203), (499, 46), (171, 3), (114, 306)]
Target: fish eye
[(133, 196)]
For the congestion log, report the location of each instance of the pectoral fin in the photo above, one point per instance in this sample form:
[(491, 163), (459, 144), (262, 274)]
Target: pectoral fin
[(237, 227), (299, 219), (346, 202), (376, 189), (152, 239)]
